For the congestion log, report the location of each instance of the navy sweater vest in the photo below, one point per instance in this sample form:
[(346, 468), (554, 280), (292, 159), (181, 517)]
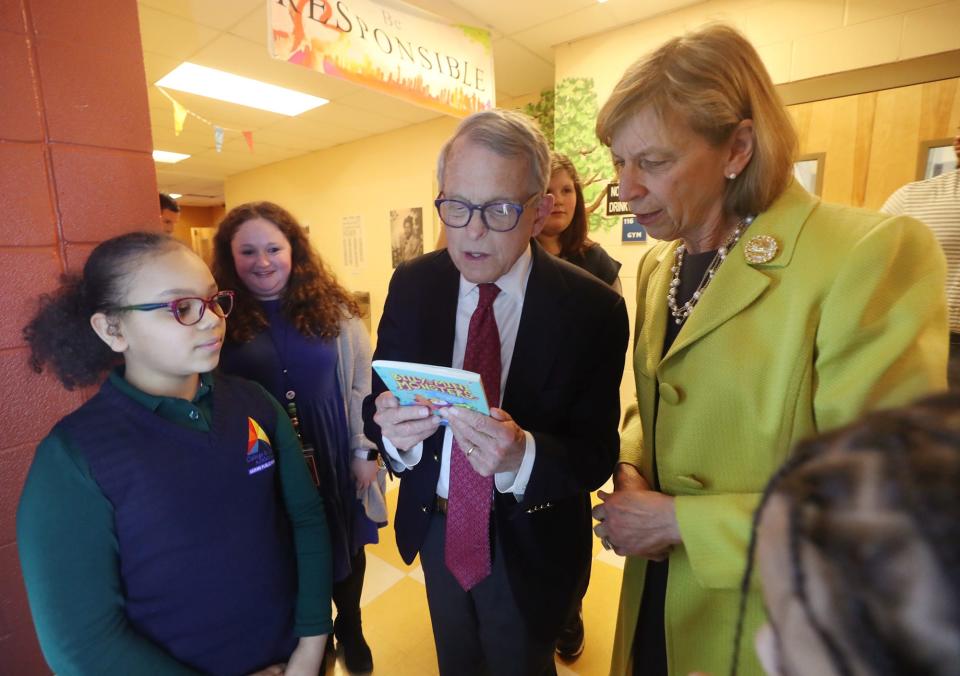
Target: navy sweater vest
[(206, 553)]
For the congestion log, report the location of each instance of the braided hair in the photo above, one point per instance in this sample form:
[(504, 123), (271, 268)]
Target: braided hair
[(877, 506)]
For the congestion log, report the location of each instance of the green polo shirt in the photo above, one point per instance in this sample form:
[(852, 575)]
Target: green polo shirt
[(65, 534)]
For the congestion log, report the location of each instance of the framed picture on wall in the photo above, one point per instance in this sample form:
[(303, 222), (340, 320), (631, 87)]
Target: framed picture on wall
[(808, 170), (935, 157)]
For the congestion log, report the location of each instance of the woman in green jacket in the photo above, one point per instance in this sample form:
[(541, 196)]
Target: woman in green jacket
[(763, 316)]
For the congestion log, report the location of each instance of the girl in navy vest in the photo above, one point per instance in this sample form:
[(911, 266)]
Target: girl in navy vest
[(297, 332), (168, 525)]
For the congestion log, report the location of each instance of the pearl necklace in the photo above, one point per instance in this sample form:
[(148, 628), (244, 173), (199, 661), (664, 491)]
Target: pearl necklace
[(680, 313)]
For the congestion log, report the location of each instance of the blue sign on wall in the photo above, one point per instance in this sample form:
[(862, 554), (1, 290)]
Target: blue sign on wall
[(633, 231)]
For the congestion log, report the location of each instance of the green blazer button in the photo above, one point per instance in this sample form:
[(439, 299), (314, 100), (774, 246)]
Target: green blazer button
[(670, 394), (689, 481)]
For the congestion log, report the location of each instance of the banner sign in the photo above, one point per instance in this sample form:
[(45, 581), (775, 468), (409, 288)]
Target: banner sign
[(633, 231), (614, 206), (446, 68)]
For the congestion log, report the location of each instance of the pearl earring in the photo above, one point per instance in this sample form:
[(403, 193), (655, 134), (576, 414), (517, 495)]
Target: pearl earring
[(732, 175)]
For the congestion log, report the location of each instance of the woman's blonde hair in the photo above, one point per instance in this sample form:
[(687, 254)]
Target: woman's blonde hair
[(713, 79)]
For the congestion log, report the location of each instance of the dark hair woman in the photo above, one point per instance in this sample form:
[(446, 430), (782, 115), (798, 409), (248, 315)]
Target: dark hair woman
[(165, 517)]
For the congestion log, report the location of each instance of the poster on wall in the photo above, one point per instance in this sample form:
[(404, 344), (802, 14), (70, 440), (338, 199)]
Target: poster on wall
[(406, 234), (443, 67), (352, 237)]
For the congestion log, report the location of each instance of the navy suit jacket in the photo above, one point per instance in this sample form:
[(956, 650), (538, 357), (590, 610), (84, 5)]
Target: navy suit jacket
[(563, 387)]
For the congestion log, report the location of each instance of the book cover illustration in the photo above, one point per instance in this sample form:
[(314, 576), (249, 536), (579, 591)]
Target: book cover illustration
[(435, 387)]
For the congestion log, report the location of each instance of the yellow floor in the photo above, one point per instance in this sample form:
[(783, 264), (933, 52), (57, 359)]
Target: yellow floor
[(396, 621)]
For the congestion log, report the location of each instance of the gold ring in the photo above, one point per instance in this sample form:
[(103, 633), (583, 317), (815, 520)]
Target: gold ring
[(471, 450)]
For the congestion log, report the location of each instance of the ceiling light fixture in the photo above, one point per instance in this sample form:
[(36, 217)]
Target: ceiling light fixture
[(167, 156), (216, 84), (175, 195)]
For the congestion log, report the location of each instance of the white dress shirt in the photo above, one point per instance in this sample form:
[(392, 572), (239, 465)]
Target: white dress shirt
[(507, 308)]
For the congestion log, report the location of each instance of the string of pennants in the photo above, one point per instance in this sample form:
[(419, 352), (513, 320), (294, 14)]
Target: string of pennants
[(180, 113)]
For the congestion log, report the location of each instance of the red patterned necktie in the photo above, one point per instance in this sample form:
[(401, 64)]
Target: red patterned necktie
[(467, 549)]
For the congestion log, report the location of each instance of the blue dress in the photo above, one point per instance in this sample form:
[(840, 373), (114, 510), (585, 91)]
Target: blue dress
[(284, 362)]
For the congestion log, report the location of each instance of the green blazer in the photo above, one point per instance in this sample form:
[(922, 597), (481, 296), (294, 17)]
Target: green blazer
[(849, 316)]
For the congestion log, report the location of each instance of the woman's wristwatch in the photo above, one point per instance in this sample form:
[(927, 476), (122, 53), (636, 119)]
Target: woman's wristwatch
[(366, 454)]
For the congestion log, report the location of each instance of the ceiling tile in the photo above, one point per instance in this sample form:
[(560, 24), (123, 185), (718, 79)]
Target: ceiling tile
[(631, 11), (541, 39), (252, 27), (170, 35), (216, 14), (510, 16), (301, 131), (352, 118), (391, 106), (240, 56), (193, 139), (527, 74)]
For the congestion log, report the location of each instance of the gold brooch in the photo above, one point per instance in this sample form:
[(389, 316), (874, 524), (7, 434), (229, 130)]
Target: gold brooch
[(761, 249)]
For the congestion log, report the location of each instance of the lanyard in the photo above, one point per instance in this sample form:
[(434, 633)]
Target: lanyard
[(291, 395)]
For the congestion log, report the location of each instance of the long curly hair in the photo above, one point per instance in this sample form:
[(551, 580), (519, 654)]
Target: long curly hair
[(313, 301), (573, 240)]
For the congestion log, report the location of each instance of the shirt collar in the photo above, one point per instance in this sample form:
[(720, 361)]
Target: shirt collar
[(513, 283), (150, 401)]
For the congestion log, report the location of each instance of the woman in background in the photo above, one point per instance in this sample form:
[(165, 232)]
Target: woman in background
[(564, 233), (297, 332)]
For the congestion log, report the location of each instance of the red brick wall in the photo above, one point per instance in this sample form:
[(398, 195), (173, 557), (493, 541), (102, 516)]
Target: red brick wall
[(75, 168)]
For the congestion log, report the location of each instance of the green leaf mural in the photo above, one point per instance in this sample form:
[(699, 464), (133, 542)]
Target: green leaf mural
[(575, 118), (543, 111)]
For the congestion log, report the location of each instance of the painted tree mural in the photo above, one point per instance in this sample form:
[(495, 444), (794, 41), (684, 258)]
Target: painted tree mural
[(543, 112), (575, 118)]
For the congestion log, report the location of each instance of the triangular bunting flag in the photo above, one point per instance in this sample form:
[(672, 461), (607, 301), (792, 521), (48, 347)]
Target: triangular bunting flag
[(249, 136), (218, 138), (179, 116)]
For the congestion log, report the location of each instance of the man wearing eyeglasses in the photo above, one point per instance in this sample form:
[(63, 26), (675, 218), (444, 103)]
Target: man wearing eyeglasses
[(498, 506)]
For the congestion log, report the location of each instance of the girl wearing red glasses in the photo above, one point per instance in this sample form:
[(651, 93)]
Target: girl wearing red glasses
[(163, 523)]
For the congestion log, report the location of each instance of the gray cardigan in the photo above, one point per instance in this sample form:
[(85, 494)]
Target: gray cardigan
[(353, 368)]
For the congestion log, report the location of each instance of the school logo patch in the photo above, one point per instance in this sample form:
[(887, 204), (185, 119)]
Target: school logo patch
[(259, 452)]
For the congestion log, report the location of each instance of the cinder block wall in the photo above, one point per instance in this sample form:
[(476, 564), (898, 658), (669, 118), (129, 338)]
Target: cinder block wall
[(75, 168)]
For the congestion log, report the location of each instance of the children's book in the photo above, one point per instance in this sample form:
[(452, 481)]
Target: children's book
[(435, 387)]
